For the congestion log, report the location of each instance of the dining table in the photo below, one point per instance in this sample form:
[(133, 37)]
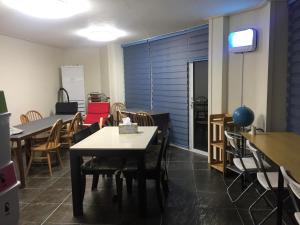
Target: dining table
[(107, 142), (29, 130), (283, 148)]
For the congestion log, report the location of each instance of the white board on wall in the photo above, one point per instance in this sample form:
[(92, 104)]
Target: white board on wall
[(73, 82)]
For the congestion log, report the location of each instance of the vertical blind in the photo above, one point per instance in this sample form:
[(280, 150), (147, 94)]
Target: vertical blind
[(168, 59), (293, 119)]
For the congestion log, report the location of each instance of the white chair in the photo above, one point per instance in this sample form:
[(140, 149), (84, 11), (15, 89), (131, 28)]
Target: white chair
[(268, 180), (245, 166), (294, 189)]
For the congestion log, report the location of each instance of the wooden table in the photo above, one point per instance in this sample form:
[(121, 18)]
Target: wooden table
[(31, 129), (283, 148), (108, 142)]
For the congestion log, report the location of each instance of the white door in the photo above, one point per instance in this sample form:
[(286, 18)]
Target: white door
[(194, 86)]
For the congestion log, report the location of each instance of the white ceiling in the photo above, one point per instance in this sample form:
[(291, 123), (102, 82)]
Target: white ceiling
[(139, 18)]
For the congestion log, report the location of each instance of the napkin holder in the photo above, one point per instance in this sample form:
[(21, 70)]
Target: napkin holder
[(128, 129)]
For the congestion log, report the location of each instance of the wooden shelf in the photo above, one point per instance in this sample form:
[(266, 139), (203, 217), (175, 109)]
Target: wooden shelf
[(217, 153)]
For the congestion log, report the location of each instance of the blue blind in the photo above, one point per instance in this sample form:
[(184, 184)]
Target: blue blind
[(169, 60), (167, 76), (137, 76), (293, 119)]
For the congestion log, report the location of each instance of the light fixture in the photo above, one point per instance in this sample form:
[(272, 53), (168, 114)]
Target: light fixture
[(102, 33), (49, 9)]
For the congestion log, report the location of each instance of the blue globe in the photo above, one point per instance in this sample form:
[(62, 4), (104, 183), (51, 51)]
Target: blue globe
[(243, 116)]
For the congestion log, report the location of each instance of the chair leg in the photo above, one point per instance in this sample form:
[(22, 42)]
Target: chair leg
[(165, 186), (95, 182), (158, 193), (83, 184), (29, 164), (59, 159), (253, 204), (243, 192), (49, 163), (119, 185), (129, 185)]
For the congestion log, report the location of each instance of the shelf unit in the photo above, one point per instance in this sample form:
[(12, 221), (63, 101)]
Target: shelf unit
[(217, 144)]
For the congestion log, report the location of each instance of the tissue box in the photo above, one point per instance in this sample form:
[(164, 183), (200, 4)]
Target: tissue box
[(128, 129)]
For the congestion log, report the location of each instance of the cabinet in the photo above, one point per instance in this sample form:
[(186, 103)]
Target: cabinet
[(217, 144)]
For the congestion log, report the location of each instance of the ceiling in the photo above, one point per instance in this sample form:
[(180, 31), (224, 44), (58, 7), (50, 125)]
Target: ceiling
[(139, 18)]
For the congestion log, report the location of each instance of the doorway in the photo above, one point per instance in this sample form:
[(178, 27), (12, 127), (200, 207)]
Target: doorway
[(198, 106)]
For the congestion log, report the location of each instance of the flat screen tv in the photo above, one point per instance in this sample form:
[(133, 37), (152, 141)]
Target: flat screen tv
[(242, 41)]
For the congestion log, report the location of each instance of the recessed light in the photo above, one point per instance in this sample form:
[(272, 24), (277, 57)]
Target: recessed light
[(101, 33), (49, 9)]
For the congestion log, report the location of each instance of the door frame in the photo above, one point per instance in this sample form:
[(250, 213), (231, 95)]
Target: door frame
[(191, 102)]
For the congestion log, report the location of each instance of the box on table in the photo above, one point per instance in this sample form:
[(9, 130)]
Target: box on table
[(128, 129)]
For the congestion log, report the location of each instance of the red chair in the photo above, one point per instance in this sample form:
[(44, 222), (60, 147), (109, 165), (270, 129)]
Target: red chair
[(98, 112)]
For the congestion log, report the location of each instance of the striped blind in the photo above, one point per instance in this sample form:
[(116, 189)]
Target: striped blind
[(137, 76), (168, 59), (293, 119)]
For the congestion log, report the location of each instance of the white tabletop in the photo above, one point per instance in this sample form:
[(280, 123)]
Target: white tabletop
[(108, 138)]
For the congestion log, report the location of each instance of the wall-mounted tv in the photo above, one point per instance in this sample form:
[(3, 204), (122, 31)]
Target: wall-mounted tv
[(242, 41)]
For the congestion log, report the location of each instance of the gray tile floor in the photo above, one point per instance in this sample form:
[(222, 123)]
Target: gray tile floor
[(197, 197)]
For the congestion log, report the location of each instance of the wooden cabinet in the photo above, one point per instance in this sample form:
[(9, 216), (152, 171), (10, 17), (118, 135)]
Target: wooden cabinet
[(217, 155)]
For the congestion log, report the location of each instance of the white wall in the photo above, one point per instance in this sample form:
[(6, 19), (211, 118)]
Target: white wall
[(90, 59), (255, 84), (29, 76)]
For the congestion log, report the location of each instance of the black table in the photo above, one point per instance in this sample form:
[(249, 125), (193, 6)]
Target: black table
[(31, 129), (108, 142)]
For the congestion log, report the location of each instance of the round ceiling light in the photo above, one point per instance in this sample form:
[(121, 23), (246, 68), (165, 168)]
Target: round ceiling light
[(49, 9), (103, 33)]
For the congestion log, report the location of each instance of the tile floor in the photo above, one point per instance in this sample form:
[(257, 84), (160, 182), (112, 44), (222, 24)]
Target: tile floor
[(197, 197)]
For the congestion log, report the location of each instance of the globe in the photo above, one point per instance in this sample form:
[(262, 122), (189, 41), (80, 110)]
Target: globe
[(243, 116)]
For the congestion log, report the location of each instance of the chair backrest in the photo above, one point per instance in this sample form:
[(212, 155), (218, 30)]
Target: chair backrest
[(94, 128), (294, 186), (144, 119), (117, 106), (33, 115), (96, 110), (75, 124), (82, 134), (163, 149), (24, 119), (256, 155), (54, 136), (232, 141)]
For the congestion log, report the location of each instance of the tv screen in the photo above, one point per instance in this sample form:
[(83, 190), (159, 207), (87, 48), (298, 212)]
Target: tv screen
[(242, 41)]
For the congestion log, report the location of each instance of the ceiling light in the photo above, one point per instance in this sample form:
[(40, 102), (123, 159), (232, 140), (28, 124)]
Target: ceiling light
[(101, 33), (49, 9)]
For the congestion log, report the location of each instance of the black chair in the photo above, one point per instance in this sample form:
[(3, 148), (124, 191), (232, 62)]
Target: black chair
[(154, 169), (94, 128)]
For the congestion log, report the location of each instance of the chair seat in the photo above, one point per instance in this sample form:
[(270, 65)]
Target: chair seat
[(42, 147), (102, 165), (273, 178), (249, 164), (297, 216)]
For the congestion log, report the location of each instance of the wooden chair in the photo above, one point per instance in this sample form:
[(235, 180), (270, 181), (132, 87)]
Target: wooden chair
[(33, 115), (73, 128), (143, 119), (24, 119), (52, 145), (114, 110)]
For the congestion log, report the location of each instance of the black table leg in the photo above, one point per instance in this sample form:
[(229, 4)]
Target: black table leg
[(76, 185), (279, 198), (20, 163), (142, 186)]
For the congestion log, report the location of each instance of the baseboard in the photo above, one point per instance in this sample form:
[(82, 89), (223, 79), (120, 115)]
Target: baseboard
[(190, 150)]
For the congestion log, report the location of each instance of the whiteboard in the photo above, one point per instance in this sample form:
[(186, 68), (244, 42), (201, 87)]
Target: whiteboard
[(73, 82)]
